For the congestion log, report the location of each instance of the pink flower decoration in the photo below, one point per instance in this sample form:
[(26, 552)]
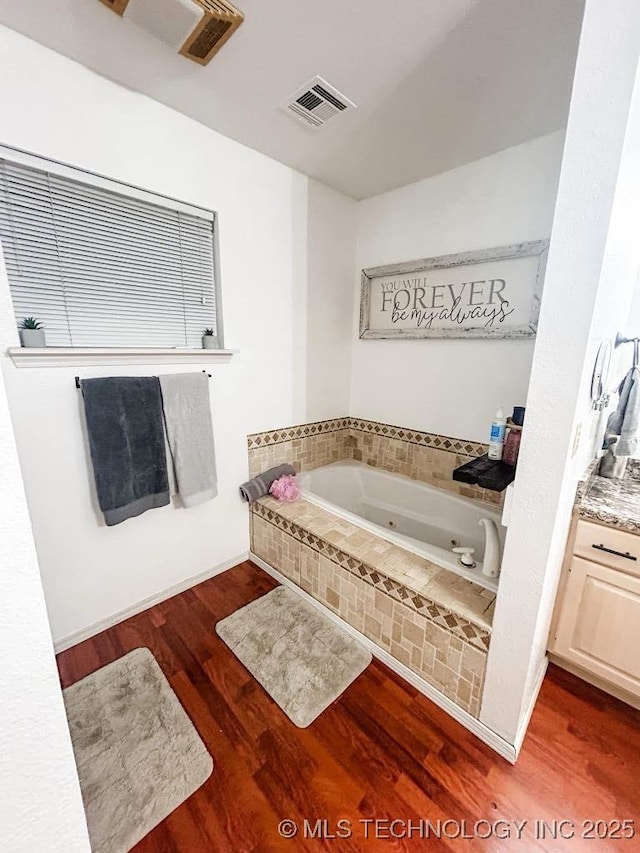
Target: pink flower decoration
[(285, 488)]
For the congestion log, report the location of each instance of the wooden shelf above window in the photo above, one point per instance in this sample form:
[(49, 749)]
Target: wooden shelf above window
[(79, 356)]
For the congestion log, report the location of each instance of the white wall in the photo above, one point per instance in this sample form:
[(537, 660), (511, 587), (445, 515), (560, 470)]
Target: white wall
[(591, 270), (632, 325), (452, 387), (40, 806), (54, 107), (331, 253)]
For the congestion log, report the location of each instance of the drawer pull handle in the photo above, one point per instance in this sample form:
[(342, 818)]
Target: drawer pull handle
[(627, 555)]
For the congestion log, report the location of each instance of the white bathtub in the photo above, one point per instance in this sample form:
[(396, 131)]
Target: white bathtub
[(417, 517)]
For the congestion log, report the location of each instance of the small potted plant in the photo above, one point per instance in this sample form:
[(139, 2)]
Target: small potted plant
[(209, 339), (32, 333)]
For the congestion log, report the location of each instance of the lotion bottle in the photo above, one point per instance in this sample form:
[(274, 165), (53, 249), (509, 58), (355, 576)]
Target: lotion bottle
[(496, 439), (512, 442)]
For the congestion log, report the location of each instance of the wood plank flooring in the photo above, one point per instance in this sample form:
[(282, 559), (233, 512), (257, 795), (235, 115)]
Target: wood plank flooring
[(381, 752)]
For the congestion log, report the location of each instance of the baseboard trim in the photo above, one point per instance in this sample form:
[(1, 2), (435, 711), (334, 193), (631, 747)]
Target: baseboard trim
[(594, 681), (524, 722), (485, 734), (76, 637)]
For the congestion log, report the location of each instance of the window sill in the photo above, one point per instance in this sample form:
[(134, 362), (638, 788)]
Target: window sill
[(79, 356)]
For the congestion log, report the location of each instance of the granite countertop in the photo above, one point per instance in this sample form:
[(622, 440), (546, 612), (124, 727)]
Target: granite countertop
[(612, 502)]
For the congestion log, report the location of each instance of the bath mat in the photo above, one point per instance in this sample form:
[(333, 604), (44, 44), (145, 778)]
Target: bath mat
[(300, 657), (137, 752)]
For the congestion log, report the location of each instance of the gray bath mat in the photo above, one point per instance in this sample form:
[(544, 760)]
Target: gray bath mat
[(300, 657), (137, 752)]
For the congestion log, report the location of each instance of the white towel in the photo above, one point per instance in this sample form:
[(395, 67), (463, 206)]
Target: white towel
[(187, 417)]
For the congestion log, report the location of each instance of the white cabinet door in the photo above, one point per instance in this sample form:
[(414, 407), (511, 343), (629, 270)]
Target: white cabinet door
[(599, 624)]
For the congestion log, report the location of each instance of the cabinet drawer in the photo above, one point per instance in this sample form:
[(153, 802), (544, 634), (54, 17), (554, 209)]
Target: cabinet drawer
[(608, 546)]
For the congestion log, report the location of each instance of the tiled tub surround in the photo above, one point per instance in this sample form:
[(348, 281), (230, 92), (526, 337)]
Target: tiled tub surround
[(305, 446), (422, 456), (415, 516), (429, 619)]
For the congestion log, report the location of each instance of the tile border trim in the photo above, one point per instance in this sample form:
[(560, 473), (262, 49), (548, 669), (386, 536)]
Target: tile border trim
[(412, 436), (446, 443), (433, 612), (299, 431)]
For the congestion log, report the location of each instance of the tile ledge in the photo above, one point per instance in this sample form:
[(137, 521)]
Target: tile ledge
[(458, 609)]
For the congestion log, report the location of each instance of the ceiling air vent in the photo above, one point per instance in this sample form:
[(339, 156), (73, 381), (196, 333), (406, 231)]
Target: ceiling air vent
[(195, 28), (317, 102)]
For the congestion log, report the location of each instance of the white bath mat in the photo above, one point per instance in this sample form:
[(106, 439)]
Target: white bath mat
[(300, 657), (138, 753)]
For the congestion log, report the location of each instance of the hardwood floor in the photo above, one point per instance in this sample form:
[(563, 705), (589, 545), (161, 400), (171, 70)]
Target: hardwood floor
[(382, 751)]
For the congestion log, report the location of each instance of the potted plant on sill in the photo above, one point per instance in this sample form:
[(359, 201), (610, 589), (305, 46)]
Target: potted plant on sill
[(209, 339), (32, 333)]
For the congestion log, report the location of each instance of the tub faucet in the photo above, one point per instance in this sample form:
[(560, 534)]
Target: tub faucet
[(491, 563)]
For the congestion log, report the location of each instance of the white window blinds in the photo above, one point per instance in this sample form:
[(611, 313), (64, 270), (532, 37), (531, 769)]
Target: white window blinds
[(103, 269)]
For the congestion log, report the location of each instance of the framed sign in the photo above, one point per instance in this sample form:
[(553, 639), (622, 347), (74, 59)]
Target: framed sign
[(493, 293)]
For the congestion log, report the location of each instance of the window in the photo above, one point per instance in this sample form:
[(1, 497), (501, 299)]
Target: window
[(105, 265)]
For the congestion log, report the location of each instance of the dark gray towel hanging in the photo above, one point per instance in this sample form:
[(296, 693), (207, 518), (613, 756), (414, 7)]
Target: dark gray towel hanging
[(126, 439)]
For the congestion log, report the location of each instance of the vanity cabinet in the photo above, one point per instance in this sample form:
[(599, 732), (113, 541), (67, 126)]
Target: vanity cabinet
[(596, 627)]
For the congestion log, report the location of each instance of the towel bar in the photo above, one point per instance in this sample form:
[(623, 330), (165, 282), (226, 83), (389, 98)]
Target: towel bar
[(77, 378), (620, 339)]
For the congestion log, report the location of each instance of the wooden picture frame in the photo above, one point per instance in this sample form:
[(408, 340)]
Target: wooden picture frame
[(466, 295)]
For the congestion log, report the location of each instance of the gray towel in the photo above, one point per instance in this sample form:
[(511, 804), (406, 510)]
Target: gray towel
[(126, 440), (625, 421), (612, 466), (260, 485), (187, 417)]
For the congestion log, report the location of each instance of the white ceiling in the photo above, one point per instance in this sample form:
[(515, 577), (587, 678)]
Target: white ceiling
[(438, 83)]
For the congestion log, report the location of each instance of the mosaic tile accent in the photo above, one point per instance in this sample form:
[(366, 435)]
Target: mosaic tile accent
[(277, 436), (417, 601), (424, 439), (422, 456), (421, 637), (427, 439)]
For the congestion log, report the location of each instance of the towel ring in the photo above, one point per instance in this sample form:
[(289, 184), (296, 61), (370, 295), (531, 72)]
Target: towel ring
[(599, 397)]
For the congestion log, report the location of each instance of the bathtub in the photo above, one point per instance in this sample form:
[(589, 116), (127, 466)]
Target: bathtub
[(420, 518)]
